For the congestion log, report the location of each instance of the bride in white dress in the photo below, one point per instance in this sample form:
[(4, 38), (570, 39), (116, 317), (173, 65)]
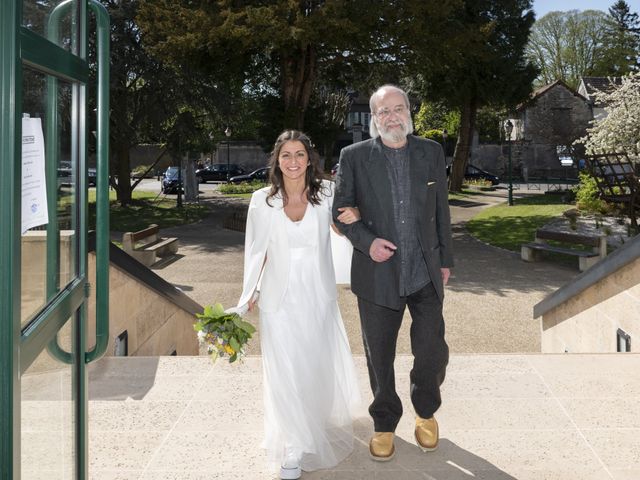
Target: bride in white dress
[(310, 386)]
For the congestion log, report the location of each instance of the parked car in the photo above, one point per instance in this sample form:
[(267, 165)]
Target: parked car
[(66, 176), (218, 172), (474, 173), (92, 177), (261, 174), (170, 182)]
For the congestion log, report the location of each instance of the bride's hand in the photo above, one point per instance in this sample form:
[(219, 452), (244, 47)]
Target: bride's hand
[(348, 215)]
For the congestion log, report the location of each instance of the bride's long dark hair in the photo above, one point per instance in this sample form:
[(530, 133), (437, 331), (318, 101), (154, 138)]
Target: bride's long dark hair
[(313, 175)]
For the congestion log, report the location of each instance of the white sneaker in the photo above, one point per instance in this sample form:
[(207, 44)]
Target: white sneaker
[(290, 469)]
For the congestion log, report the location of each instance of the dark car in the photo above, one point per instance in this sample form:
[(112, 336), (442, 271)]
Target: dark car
[(261, 174), (170, 181), (218, 172), (92, 177), (474, 173)]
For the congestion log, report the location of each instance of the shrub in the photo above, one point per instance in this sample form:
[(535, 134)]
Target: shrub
[(588, 196), (137, 171), (244, 187)]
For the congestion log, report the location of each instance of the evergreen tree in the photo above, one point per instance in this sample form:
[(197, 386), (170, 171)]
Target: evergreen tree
[(623, 42), (274, 49), (483, 63)]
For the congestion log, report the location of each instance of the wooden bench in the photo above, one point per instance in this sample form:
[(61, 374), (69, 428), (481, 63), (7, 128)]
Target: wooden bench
[(531, 252), (146, 245)]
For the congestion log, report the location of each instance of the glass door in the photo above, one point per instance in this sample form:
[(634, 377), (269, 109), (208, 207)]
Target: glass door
[(44, 194)]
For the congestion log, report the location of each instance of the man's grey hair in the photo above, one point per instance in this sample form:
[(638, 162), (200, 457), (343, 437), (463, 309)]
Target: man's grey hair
[(373, 129)]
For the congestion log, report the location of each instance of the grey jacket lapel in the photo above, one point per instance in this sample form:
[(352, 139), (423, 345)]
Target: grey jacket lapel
[(419, 170), (378, 175)]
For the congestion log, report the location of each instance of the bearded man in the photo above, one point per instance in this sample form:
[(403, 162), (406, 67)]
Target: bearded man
[(401, 258)]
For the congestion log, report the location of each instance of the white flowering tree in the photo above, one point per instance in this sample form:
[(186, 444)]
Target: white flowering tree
[(619, 130)]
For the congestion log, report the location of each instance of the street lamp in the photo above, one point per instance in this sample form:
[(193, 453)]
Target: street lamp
[(227, 132), (508, 128)]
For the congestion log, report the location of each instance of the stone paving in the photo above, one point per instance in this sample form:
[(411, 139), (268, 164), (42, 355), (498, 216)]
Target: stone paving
[(488, 302), (503, 417)]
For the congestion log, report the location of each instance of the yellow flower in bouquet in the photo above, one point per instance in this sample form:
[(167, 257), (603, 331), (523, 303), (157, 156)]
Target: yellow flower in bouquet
[(223, 333)]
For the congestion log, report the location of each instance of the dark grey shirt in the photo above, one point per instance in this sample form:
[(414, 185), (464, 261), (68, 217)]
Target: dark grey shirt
[(413, 268)]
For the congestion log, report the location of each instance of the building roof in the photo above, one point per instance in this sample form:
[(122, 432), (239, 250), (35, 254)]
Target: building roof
[(589, 85), (546, 88)]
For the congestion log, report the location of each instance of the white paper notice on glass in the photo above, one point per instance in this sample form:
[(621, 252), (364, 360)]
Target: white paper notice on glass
[(34, 187)]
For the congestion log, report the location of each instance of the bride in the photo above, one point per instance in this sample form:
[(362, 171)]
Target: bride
[(310, 386)]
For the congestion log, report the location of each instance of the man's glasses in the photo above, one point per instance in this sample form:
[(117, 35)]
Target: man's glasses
[(385, 112)]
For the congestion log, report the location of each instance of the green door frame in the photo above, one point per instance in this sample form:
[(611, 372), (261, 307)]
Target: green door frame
[(19, 346)]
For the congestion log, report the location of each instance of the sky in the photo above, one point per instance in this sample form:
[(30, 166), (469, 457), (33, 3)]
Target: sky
[(542, 7)]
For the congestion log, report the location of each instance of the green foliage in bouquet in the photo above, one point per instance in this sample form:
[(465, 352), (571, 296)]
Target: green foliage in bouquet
[(223, 333)]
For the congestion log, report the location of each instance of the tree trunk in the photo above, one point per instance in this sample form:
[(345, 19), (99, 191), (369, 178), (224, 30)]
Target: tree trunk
[(463, 146), (298, 76), (123, 172)]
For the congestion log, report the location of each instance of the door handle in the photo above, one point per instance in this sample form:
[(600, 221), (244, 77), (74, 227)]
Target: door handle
[(102, 174)]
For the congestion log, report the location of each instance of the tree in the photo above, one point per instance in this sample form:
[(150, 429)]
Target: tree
[(436, 116), (273, 48), (619, 130), (569, 45), (483, 64), (623, 42), (143, 93), (330, 108)]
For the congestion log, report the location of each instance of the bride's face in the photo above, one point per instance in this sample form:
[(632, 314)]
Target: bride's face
[(293, 160)]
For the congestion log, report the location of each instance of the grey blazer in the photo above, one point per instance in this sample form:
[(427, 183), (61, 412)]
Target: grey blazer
[(363, 182)]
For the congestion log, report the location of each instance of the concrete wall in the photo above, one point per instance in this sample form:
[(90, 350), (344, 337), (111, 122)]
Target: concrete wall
[(588, 322), (155, 326), (249, 155), (34, 267)]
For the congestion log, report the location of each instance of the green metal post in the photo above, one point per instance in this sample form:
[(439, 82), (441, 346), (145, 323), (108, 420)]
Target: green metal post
[(10, 180), (510, 201), (102, 187)]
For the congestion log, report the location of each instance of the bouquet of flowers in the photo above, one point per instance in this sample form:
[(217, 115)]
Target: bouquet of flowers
[(223, 332)]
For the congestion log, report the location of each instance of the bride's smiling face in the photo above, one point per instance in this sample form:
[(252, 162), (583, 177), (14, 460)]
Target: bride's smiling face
[(293, 160)]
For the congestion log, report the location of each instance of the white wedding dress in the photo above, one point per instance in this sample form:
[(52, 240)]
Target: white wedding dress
[(310, 385)]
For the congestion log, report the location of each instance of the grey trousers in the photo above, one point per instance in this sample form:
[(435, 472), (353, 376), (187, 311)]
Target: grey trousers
[(380, 326)]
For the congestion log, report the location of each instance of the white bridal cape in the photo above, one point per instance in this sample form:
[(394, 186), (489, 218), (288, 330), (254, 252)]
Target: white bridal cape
[(310, 384)]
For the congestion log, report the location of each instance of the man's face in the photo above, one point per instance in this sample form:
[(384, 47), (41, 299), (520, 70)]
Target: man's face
[(392, 117)]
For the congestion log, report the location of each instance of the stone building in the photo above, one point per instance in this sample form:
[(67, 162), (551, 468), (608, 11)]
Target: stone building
[(546, 127), (590, 85)]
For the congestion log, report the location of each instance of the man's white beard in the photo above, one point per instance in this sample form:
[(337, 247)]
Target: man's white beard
[(396, 136)]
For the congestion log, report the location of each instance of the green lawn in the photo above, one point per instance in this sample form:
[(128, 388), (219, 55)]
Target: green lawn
[(509, 227), (147, 208)]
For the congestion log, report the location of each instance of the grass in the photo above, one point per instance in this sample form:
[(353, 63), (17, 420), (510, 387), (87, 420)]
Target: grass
[(509, 227), (145, 209)]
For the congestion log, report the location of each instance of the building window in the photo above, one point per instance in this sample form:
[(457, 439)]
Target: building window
[(121, 348), (624, 341)]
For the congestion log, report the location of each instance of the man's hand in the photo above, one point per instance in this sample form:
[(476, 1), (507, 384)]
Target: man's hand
[(381, 250), (446, 273)]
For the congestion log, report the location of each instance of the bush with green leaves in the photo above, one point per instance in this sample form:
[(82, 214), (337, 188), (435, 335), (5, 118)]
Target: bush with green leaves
[(588, 196), (139, 170), (244, 187)]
